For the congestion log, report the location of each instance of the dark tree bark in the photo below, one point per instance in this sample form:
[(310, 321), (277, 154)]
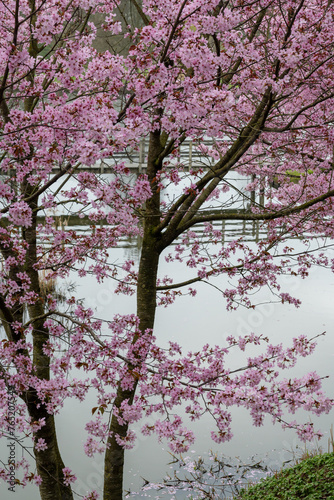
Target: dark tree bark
[(49, 463), (146, 307)]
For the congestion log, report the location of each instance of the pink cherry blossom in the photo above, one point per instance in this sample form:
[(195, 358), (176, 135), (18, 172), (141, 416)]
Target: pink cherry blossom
[(228, 109)]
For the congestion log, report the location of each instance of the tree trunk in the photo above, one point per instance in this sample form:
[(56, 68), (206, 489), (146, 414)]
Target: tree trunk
[(146, 306), (49, 462)]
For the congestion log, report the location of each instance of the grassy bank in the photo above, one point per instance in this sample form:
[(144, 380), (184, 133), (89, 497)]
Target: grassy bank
[(311, 479)]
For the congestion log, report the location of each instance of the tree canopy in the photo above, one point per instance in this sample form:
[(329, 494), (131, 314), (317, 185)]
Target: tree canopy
[(246, 88)]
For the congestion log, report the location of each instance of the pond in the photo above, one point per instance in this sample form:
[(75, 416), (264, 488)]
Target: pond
[(193, 322)]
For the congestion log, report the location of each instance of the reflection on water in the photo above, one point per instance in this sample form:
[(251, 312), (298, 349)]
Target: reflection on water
[(231, 229)]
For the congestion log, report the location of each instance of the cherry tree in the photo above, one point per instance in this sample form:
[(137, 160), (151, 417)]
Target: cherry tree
[(246, 87)]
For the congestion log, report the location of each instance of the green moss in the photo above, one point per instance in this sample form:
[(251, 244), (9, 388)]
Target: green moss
[(311, 479)]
